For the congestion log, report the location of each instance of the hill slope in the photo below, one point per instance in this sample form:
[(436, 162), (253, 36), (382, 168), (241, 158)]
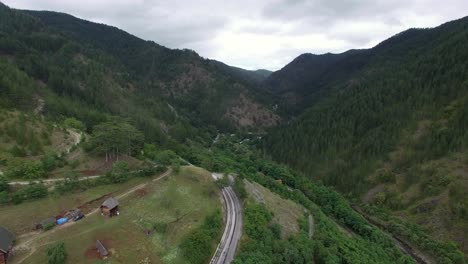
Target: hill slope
[(88, 70), (398, 122)]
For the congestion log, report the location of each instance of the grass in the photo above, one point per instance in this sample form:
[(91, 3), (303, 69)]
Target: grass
[(22, 218), (286, 213), (181, 201)]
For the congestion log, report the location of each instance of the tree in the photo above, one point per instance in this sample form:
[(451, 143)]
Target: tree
[(119, 172), (115, 138), (57, 253)]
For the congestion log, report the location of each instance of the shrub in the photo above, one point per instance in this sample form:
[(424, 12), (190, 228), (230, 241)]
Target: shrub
[(119, 172), (197, 246), (51, 161), (57, 253), (70, 184), (4, 184), (23, 169), (48, 226), (30, 192), (74, 123)]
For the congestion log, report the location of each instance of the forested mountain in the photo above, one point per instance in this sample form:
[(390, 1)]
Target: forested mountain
[(253, 77), (397, 120), (91, 71)]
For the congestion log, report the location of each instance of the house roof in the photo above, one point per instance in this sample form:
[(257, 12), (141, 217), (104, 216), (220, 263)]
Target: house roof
[(6, 239), (110, 203), (100, 247)]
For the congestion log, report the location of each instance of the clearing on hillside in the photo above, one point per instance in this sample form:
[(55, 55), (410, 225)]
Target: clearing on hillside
[(286, 213), (151, 225)]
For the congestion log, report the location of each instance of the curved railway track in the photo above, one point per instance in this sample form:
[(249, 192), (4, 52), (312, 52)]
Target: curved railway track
[(227, 246)]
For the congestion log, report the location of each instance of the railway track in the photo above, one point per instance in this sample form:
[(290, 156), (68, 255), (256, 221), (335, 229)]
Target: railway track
[(227, 246)]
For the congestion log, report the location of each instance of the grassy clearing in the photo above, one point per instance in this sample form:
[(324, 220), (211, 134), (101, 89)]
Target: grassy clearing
[(22, 218), (286, 213), (180, 202)]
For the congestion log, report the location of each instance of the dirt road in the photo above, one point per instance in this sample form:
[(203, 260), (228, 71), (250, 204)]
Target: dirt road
[(51, 181)]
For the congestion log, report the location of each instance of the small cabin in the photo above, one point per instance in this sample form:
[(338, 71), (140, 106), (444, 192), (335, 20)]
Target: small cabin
[(6, 244), (110, 207)]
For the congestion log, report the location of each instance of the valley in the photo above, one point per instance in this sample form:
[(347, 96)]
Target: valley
[(353, 157)]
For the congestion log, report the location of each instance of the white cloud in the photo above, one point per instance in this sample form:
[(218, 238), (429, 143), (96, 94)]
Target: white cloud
[(263, 33)]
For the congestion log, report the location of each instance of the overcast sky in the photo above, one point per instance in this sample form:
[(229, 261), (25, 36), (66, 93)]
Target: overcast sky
[(259, 33)]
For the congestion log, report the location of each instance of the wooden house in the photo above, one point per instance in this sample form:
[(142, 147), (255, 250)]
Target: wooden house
[(110, 207), (6, 244)]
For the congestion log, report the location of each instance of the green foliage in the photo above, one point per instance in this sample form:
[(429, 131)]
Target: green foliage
[(70, 184), (119, 172), (30, 192), (17, 151), (198, 245), (331, 244), (352, 126), (264, 244), (167, 157), (444, 252), (115, 138), (48, 226), (51, 161), (25, 169), (57, 253), (239, 188), (74, 123), (4, 186)]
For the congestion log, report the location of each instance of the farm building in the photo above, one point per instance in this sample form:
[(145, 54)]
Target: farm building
[(110, 207), (6, 244)]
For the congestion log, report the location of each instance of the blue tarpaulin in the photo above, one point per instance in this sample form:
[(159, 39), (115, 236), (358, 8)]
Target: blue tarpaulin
[(62, 221)]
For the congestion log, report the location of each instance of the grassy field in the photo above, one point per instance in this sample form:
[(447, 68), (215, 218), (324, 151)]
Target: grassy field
[(180, 202), (286, 213), (22, 218)]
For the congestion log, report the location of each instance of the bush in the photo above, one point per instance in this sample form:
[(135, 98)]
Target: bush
[(197, 246), (4, 197), (25, 169), (4, 187), (119, 172), (239, 188), (48, 226), (74, 123), (57, 254), (17, 151), (51, 161), (32, 191), (70, 184)]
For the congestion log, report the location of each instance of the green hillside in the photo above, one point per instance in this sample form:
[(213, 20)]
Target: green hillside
[(400, 121), (92, 71)]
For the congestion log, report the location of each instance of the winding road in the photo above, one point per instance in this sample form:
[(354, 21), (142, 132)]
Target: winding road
[(232, 233)]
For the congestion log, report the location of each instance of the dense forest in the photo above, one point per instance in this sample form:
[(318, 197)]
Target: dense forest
[(92, 71), (400, 121)]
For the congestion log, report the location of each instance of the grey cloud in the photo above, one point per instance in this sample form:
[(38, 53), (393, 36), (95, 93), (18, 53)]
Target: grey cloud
[(261, 33)]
